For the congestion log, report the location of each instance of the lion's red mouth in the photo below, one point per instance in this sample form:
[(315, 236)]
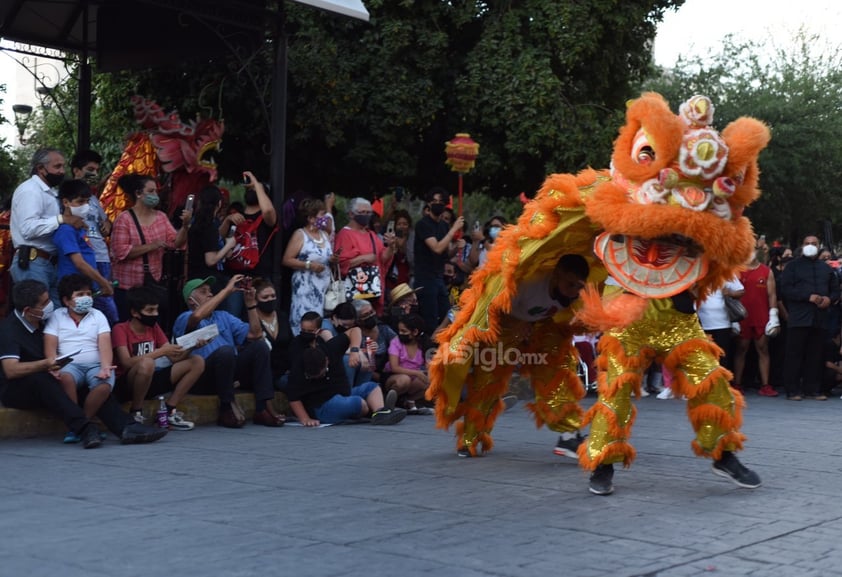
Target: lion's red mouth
[(658, 267)]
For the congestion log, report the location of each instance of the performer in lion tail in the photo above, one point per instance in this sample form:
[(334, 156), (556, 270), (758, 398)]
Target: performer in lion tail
[(517, 312)]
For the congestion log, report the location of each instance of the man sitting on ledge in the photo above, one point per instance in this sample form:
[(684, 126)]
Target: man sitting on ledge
[(27, 378)]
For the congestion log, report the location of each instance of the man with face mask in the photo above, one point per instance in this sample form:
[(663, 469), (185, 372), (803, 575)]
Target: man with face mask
[(26, 382), (238, 353), (809, 287), (432, 243), (36, 214)]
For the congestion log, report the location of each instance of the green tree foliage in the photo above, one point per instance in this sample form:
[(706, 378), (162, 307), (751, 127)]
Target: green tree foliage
[(540, 84), (798, 93), (10, 173)]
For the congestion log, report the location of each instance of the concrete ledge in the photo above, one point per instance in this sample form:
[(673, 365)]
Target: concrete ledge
[(201, 409)]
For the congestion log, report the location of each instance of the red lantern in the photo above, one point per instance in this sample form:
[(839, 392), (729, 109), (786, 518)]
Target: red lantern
[(461, 154)]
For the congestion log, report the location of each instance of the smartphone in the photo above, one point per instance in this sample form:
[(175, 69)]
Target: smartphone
[(245, 283), (232, 230), (189, 204), (246, 180), (390, 228), (477, 225)]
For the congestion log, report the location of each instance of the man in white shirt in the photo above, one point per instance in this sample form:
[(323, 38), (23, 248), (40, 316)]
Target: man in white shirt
[(36, 214)]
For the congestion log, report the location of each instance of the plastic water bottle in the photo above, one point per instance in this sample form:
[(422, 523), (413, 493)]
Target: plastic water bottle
[(163, 417)]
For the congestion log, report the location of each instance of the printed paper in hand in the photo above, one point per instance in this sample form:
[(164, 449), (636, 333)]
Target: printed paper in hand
[(189, 340)]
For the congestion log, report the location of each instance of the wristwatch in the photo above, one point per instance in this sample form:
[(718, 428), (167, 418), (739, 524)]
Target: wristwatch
[(355, 349)]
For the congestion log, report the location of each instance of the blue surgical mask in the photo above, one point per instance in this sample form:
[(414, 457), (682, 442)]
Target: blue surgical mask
[(493, 232), (83, 305), (151, 200)]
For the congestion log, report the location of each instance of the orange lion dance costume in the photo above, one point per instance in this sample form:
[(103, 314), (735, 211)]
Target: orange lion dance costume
[(666, 224)]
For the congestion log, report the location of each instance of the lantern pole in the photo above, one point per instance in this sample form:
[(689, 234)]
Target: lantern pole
[(461, 153)]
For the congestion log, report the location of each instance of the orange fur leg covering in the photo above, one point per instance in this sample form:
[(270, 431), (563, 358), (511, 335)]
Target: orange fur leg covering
[(713, 407)]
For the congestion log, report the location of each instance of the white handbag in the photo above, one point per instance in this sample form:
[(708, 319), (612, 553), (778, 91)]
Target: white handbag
[(335, 294)]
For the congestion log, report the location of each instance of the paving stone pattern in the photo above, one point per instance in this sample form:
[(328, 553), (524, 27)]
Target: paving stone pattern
[(381, 501)]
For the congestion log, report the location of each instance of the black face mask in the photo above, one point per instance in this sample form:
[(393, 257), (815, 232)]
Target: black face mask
[(148, 320), (267, 306), (250, 197), (339, 328), (437, 209), (53, 180), (368, 323), (448, 278), (307, 339), (405, 339)]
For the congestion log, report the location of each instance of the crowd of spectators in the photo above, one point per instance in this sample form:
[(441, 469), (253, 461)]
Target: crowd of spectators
[(103, 321), (100, 327)]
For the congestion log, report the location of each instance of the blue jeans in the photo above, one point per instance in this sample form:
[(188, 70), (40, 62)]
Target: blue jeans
[(356, 375), (339, 408), (39, 269)]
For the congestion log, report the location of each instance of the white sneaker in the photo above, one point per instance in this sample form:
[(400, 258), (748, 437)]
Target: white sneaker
[(177, 422), (665, 394), (644, 392)]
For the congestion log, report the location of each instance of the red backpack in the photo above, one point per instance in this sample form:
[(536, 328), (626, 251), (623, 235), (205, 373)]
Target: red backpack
[(247, 253)]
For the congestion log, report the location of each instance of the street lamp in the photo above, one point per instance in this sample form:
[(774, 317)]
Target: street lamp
[(23, 112)]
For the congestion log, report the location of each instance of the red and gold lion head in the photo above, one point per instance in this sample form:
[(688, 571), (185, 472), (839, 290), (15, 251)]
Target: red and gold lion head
[(166, 148), (672, 207)]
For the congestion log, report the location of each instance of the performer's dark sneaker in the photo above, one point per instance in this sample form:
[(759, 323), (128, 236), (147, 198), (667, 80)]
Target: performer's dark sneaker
[(601, 480), (731, 468), (465, 453), (568, 448)]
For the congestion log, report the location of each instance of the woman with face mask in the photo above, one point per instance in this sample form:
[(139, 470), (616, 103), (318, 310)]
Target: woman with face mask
[(362, 254), (275, 324), (309, 255), (479, 250), (75, 255), (260, 217), (127, 249)]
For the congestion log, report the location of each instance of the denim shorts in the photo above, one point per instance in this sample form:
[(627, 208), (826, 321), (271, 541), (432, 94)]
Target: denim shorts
[(85, 374), (340, 408)]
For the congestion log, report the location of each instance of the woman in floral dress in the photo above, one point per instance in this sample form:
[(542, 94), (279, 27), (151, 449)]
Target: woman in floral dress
[(309, 255)]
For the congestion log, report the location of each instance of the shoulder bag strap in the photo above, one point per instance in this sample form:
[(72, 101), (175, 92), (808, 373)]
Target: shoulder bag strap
[(144, 256)]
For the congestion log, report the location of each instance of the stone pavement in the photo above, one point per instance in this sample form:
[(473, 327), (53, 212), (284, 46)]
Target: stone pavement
[(366, 501)]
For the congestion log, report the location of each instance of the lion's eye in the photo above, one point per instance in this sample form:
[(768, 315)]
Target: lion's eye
[(646, 155)]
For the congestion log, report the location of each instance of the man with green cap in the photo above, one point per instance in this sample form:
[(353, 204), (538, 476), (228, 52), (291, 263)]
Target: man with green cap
[(238, 353)]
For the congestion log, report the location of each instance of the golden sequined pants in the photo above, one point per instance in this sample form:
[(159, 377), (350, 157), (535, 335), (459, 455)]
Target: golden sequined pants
[(544, 351), (714, 408)]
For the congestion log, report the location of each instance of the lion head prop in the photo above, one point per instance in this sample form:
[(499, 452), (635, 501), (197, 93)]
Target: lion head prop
[(672, 209)]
